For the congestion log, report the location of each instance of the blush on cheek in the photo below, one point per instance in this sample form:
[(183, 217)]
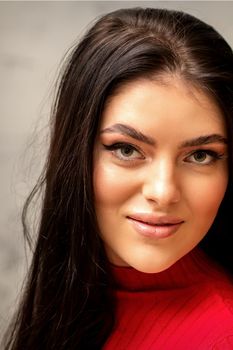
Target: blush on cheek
[(111, 186), (209, 193), (206, 197)]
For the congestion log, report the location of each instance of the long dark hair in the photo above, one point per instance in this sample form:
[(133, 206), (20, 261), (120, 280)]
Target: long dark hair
[(67, 303)]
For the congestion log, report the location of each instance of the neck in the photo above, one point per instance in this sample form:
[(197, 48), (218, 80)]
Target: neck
[(189, 270)]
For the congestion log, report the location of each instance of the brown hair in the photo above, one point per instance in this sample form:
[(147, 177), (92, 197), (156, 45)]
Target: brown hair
[(67, 304)]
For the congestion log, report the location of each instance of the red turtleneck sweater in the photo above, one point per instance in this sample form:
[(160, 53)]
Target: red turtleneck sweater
[(187, 307)]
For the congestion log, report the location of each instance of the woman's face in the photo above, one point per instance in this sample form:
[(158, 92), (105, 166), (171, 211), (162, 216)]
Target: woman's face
[(160, 172)]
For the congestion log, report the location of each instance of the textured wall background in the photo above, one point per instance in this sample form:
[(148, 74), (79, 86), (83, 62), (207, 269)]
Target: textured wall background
[(34, 37)]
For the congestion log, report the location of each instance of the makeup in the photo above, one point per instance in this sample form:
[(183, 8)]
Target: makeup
[(160, 172), (154, 226)]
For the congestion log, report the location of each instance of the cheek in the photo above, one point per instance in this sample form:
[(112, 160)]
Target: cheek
[(207, 195), (112, 186)]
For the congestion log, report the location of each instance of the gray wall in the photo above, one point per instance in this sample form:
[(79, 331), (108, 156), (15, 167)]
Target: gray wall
[(34, 37)]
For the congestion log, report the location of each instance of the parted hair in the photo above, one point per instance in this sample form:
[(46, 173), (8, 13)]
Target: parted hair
[(67, 302)]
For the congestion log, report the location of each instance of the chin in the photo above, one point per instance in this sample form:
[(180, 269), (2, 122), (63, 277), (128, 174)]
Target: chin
[(153, 267)]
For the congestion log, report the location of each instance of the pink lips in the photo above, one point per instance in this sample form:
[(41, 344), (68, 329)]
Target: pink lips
[(155, 226)]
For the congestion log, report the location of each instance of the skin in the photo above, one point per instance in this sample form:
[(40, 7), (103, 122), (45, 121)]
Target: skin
[(164, 178)]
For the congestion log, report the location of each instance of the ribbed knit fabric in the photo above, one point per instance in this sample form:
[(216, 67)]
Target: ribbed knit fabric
[(187, 307)]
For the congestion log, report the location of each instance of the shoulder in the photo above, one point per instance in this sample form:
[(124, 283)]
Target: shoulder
[(220, 313), (220, 290), (221, 287), (215, 306), (226, 343)]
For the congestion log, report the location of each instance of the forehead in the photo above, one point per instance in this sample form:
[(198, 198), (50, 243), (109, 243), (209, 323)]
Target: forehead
[(172, 101)]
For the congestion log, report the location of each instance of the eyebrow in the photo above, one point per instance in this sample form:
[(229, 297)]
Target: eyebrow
[(130, 131), (204, 140)]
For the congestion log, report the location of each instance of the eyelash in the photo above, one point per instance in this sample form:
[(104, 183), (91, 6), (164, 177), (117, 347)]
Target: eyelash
[(215, 156), (123, 145)]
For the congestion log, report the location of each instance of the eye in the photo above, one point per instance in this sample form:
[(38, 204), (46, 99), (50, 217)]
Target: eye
[(124, 151), (204, 157)]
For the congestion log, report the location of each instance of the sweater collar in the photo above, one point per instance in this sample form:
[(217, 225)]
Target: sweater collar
[(191, 269)]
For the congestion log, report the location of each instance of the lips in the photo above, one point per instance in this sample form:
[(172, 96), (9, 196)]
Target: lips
[(157, 226), (152, 219)]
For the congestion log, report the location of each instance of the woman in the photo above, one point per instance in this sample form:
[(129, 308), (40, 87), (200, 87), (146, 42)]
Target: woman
[(134, 244)]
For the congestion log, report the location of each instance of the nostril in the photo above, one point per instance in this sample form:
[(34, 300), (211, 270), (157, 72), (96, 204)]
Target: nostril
[(162, 192)]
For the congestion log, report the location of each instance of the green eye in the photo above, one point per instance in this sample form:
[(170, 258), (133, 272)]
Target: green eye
[(204, 157), (127, 151), (200, 156)]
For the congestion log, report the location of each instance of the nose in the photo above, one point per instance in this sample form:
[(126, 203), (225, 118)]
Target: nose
[(161, 184)]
